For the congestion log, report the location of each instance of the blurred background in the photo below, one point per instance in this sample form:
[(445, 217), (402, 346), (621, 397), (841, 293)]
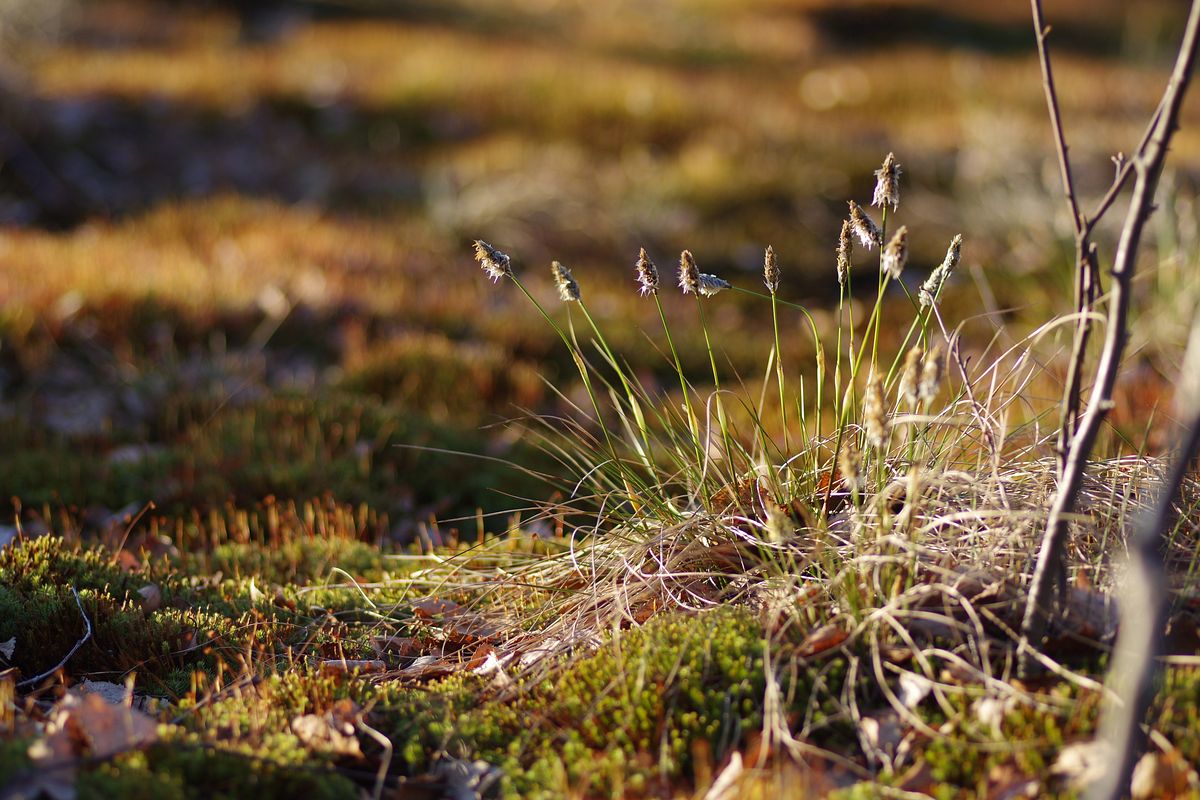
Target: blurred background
[(234, 256)]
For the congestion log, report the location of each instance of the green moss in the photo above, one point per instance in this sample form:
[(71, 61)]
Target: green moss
[(625, 716), (183, 767)]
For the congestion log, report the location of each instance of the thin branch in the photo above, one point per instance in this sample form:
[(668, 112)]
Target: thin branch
[(1085, 252), (1144, 598), (87, 635), (1123, 173), (1042, 30), (1049, 577)]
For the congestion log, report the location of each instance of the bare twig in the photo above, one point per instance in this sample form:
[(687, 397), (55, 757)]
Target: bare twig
[(1144, 598), (1086, 267), (86, 635), (1060, 140), (1050, 575)]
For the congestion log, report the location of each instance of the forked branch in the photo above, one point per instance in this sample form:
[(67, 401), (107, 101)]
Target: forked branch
[(1049, 577)]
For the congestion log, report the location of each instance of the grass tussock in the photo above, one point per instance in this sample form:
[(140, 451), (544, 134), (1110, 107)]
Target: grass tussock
[(751, 543)]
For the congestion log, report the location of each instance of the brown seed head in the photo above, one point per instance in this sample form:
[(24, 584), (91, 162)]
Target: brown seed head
[(495, 263), (771, 270), (647, 273), (564, 281), (933, 284), (931, 373), (910, 381), (895, 255), (843, 253), (887, 184), (849, 463), (864, 227), (874, 415), (689, 273)]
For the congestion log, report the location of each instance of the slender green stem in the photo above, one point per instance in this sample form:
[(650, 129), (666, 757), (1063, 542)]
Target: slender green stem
[(779, 372), (883, 282), (630, 395), (712, 359), (580, 365)]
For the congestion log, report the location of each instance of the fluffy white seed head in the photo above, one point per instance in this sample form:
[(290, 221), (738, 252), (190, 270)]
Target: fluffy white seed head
[(864, 227), (875, 419), (895, 255), (647, 273), (564, 281), (494, 262), (910, 380), (887, 184), (933, 284)]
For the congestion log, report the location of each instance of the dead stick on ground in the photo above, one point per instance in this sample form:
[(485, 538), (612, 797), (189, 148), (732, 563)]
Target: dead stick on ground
[(1049, 574), (86, 635)]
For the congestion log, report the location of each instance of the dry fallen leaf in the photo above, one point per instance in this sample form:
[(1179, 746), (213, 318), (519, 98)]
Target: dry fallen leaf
[(432, 609), (85, 724), (1161, 775), (331, 732), (395, 645), (151, 598), (428, 667), (460, 625), (1082, 763), (823, 638)]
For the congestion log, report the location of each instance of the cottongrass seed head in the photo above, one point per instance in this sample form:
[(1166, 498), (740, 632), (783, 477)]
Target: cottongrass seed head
[(895, 255), (711, 284), (887, 184), (875, 419), (494, 262), (692, 280), (931, 373), (771, 270), (647, 273), (689, 273), (933, 284), (843, 254), (910, 380), (864, 227), (564, 281)]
